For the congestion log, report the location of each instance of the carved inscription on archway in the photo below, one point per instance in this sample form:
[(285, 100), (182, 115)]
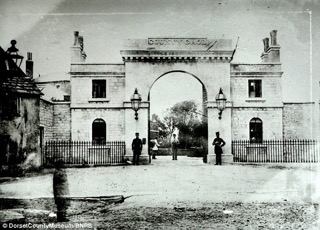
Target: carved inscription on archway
[(178, 41)]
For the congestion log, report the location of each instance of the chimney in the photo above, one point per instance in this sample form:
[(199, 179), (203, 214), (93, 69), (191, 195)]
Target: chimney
[(29, 65), (274, 49), (266, 44), (76, 35), (271, 52), (77, 53), (264, 55), (273, 35)]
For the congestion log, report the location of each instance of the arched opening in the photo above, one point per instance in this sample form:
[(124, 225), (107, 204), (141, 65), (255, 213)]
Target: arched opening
[(174, 94), (99, 131), (256, 130)]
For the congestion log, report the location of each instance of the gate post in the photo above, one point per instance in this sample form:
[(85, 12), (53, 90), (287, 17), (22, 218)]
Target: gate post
[(140, 126), (223, 126)]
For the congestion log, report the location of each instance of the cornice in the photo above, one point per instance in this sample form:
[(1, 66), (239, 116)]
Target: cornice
[(85, 74), (175, 56), (255, 74)]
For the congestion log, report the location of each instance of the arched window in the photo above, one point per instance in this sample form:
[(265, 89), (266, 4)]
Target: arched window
[(99, 131), (256, 130)]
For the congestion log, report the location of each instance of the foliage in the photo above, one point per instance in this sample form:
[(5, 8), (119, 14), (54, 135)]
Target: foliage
[(160, 126), (183, 117)]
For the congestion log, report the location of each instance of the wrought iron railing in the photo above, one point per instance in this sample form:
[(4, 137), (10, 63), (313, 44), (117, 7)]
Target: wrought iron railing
[(83, 153), (287, 151)]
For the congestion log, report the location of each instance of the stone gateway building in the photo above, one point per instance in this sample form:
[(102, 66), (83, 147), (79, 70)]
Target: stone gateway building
[(100, 108)]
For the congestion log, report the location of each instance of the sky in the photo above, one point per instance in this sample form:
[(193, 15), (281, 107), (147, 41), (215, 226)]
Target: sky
[(45, 28)]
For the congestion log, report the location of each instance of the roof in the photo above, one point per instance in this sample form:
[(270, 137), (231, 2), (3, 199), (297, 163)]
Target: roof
[(51, 93), (13, 79), (53, 77)]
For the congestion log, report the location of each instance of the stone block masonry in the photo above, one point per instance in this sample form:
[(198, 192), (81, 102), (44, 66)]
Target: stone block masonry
[(298, 120), (82, 120), (271, 119), (46, 119), (56, 120), (62, 121)]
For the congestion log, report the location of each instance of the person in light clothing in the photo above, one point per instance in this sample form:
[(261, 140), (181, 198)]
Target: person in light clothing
[(155, 148)]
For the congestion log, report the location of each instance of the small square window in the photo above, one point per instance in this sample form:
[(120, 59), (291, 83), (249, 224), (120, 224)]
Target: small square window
[(10, 107), (255, 89), (98, 88), (66, 97)]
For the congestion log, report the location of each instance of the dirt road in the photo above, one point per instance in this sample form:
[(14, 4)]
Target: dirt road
[(188, 193)]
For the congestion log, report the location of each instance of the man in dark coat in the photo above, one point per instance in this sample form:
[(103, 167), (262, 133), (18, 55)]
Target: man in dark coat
[(136, 148), (61, 191), (218, 144)]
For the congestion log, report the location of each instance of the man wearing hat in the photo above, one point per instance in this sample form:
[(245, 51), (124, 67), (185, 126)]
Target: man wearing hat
[(218, 144), (136, 148)]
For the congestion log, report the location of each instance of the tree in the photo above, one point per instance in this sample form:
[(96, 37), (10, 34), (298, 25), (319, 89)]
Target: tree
[(184, 117), (158, 126)]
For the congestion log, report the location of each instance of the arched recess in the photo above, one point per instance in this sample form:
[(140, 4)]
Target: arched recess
[(99, 131), (204, 97), (256, 130)]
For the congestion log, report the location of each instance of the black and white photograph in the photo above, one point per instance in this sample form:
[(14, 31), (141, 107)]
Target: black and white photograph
[(160, 114)]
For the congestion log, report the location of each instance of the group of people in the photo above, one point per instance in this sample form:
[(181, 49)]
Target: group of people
[(218, 143), (174, 147), (137, 148)]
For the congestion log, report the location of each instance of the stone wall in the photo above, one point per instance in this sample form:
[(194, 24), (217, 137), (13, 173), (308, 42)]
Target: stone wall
[(46, 119), (270, 76), (82, 120), (271, 118), (298, 120), (82, 91), (62, 121), (56, 120)]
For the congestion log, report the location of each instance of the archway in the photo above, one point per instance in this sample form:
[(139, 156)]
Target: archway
[(180, 89)]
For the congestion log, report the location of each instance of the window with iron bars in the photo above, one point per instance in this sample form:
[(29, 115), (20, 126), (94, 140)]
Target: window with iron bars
[(255, 88), (99, 88)]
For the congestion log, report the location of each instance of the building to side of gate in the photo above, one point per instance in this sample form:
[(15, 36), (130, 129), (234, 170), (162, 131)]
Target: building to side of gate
[(257, 96)]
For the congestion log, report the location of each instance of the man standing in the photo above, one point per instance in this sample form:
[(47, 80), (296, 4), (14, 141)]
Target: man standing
[(174, 147), (136, 148), (218, 144)]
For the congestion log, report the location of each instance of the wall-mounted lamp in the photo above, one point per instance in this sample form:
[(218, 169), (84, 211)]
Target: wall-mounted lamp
[(221, 102), (13, 53), (135, 102)]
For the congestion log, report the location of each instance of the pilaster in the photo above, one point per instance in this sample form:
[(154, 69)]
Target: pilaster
[(140, 126), (223, 126)]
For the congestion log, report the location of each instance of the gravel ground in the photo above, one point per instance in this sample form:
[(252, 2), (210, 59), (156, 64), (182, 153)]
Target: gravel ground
[(183, 194), (230, 215)]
